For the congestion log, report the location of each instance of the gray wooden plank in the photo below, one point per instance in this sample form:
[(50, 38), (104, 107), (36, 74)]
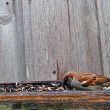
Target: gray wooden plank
[(28, 40), (40, 36), (20, 42), (84, 32), (47, 39), (12, 62), (8, 57), (103, 7)]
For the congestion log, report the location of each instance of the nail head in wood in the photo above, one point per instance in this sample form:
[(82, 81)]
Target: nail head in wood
[(7, 3)]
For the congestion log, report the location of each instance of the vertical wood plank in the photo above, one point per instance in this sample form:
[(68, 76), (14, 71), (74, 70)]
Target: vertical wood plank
[(47, 38), (103, 7), (8, 57), (11, 49), (28, 40), (20, 42), (84, 33)]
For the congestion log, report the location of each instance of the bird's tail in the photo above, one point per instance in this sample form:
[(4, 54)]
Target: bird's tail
[(85, 89)]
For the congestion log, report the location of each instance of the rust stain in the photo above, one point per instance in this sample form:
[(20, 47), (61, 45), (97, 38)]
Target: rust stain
[(58, 97)]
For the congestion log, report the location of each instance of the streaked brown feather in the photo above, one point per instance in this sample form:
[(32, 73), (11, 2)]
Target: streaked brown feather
[(88, 79)]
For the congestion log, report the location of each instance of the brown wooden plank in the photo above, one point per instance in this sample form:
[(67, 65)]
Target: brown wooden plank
[(84, 35), (103, 7), (81, 97)]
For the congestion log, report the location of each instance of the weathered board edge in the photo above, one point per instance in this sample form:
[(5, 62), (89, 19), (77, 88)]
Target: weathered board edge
[(80, 96)]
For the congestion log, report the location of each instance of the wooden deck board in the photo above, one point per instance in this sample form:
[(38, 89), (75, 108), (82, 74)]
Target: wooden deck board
[(83, 96)]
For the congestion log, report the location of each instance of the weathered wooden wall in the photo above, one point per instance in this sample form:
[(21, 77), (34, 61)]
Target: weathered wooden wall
[(36, 35)]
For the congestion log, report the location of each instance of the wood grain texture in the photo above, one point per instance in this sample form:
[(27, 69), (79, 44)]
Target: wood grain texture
[(28, 39), (11, 64), (103, 7), (20, 42), (47, 38), (8, 56), (84, 34), (92, 97), (42, 38)]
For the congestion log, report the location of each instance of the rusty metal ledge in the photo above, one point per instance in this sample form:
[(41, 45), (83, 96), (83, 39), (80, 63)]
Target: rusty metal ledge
[(77, 96)]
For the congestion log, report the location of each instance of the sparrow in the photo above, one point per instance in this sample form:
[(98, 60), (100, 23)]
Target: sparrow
[(73, 83), (86, 79)]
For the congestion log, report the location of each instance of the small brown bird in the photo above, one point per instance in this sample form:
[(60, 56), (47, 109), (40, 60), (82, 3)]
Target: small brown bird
[(87, 79), (73, 83)]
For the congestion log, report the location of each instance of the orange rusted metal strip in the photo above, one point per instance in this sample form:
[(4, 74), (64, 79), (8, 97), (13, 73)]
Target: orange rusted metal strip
[(82, 96)]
